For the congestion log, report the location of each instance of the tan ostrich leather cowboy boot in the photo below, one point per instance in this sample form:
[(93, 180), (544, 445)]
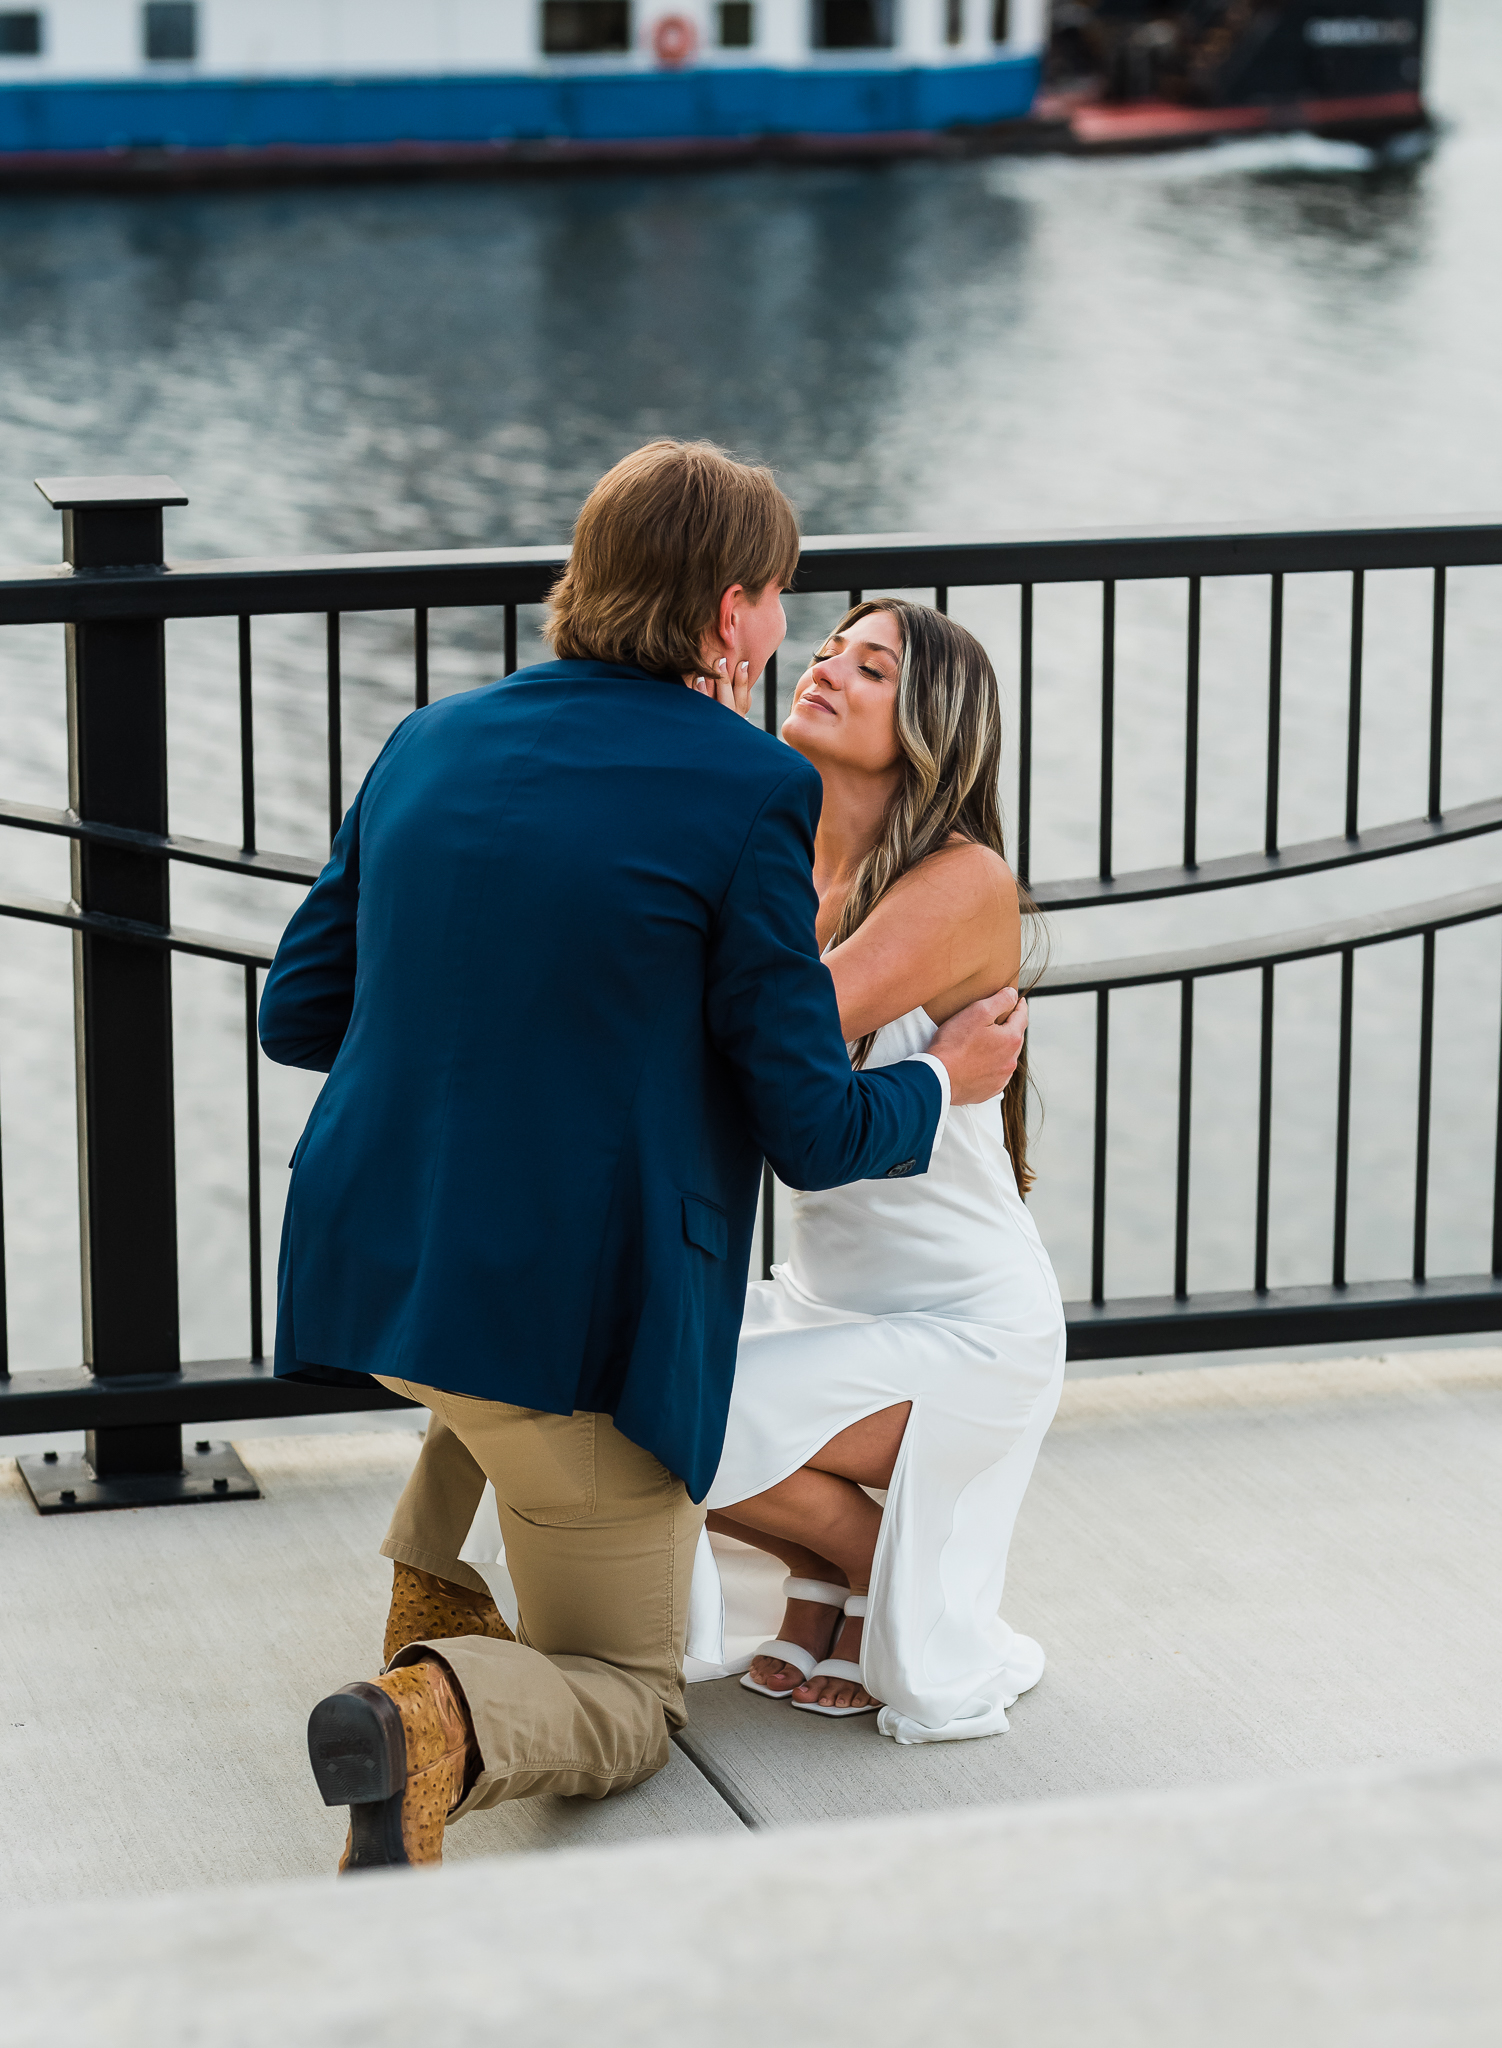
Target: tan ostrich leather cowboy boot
[(425, 1608), (397, 1751)]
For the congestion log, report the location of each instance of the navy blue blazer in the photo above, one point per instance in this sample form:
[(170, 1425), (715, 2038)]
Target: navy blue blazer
[(561, 972)]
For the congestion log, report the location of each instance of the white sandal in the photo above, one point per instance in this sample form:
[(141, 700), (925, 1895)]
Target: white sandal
[(794, 1653), (840, 1667)]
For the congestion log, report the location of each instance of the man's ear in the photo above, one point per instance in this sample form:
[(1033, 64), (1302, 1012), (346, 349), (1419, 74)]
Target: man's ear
[(729, 605)]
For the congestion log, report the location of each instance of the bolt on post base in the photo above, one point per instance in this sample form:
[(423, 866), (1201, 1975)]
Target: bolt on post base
[(64, 1483)]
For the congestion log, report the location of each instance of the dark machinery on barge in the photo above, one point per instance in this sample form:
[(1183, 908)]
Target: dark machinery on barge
[(1152, 73)]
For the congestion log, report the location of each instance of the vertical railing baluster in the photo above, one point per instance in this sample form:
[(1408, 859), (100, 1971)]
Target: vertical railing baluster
[(510, 636), (252, 1040), (1264, 1129), (253, 1159), (1421, 1148), (247, 745), (420, 656), (1353, 732), (336, 738), (1025, 740), (1107, 720), (768, 1220), (1497, 1177), (1098, 1183), (1181, 1187), (1274, 713), (855, 599), (1437, 694), (769, 719), (4, 1306), (941, 598), (1343, 1119), (1192, 730)]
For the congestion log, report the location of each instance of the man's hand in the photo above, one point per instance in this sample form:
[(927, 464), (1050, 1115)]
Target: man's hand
[(981, 1045), (733, 692)]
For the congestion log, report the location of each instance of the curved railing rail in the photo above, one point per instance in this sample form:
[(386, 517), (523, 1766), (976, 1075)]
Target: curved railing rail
[(1294, 1315), (115, 591)]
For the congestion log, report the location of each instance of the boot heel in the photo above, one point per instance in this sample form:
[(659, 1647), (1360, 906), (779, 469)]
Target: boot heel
[(358, 1751), (375, 1836)]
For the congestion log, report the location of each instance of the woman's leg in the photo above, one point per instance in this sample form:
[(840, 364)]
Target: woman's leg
[(822, 1510), (802, 1563), (808, 1623)]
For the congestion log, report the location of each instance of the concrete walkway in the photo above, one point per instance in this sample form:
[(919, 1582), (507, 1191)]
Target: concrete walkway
[(1238, 1573)]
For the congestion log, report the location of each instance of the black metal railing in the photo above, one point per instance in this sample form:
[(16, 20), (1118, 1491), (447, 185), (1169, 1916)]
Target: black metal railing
[(114, 591)]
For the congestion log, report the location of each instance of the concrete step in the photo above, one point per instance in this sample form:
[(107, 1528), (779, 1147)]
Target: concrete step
[(1355, 1913)]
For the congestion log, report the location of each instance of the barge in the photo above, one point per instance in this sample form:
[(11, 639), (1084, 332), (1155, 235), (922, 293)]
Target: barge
[(253, 91)]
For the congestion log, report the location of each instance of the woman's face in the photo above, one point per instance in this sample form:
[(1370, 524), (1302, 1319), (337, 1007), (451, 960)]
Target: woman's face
[(845, 706)]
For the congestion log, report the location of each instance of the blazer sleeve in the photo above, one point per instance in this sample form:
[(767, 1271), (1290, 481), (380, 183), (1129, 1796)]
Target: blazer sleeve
[(771, 1011), (310, 985)]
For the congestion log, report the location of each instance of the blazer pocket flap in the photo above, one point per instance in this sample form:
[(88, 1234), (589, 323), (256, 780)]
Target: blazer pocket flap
[(706, 1226)]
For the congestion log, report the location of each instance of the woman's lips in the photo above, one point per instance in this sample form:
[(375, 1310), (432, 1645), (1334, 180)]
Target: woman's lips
[(813, 697)]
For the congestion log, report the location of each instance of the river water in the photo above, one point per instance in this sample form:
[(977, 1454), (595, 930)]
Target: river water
[(1274, 331)]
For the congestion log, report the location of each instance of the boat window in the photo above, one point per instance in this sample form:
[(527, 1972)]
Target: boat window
[(20, 34), (170, 31), (584, 28), (852, 24), (954, 22), (737, 25), (1001, 21)]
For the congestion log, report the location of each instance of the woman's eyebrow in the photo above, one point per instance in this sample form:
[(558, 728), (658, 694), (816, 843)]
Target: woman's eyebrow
[(880, 647)]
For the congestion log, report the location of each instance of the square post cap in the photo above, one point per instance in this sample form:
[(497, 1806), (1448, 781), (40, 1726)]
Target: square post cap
[(120, 493)]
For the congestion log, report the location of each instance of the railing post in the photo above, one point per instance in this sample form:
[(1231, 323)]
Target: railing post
[(122, 1001)]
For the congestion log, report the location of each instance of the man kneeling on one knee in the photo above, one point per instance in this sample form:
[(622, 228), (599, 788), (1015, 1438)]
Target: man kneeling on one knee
[(561, 973)]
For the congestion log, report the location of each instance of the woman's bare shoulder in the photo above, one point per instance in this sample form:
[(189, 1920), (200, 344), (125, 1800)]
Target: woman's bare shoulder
[(973, 880)]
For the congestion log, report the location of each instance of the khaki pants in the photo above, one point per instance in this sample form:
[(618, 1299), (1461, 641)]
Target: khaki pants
[(600, 1542)]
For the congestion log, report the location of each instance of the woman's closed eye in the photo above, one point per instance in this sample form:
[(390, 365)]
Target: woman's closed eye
[(865, 668)]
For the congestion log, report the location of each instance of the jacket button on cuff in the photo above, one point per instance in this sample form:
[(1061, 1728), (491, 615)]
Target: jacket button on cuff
[(903, 1166)]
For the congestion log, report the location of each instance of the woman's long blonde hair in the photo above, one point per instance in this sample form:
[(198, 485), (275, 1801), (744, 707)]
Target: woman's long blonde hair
[(948, 722)]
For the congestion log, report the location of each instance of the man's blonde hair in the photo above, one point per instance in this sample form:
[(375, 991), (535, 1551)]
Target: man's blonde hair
[(661, 538)]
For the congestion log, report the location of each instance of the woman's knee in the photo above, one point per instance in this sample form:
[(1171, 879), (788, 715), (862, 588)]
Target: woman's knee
[(867, 1451)]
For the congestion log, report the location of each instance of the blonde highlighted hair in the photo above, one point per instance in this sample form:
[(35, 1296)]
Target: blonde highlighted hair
[(660, 539), (948, 722)]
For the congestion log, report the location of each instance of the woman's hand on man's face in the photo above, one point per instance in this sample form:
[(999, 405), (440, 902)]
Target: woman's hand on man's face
[(733, 691)]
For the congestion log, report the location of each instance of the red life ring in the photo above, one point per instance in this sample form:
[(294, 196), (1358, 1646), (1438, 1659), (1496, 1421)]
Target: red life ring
[(674, 40)]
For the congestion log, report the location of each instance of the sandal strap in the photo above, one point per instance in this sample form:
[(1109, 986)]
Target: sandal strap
[(788, 1653), (839, 1667), (856, 1606), (815, 1589)]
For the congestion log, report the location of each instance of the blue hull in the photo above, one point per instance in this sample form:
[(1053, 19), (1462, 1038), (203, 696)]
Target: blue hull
[(366, 113)]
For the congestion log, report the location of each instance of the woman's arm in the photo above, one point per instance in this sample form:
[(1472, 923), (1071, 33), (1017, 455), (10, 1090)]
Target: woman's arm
[(947, 934)]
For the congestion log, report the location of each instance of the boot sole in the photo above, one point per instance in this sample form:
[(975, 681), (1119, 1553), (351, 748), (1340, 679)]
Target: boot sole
[(358, 1751)]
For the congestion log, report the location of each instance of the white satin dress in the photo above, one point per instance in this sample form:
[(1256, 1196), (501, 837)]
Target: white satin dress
[(934, 1290)]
